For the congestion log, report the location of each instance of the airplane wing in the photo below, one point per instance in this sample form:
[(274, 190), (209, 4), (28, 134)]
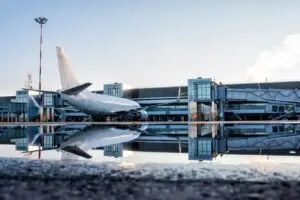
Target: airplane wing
[(71, 149), (77, 89), (77, 151), (72, 91)]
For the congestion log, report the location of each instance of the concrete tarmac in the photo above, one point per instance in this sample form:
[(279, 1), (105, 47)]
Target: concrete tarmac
[(34, 179)]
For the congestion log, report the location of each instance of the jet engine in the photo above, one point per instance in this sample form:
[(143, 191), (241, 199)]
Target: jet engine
[(142, 115), (136, 115)]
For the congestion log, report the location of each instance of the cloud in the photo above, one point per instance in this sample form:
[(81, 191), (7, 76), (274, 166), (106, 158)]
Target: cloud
[(271, 62)]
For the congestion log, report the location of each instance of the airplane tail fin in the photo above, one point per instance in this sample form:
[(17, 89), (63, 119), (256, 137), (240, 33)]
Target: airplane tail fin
[(67, 77)]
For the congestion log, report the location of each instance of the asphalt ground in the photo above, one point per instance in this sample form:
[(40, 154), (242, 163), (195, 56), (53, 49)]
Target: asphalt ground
[(45, 179)]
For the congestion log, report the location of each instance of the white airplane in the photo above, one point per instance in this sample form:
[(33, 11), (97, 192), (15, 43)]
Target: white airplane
[(93, 137), (96, 105)]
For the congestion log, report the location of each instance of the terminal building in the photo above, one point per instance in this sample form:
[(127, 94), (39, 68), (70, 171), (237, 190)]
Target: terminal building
[(202, 99)]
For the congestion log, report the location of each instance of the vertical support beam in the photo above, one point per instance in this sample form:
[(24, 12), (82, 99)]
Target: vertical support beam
[(52, 115), (40, 140), (222, 117), (48, 114), (214, 128)]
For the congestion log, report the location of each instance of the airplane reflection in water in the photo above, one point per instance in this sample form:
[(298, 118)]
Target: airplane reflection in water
[(113, 139), (91, 137)]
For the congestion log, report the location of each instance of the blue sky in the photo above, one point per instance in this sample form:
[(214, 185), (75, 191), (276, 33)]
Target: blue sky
[(151, 42)]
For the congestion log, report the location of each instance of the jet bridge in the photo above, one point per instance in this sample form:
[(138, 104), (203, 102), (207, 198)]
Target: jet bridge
[(260, 129), (284, 141), (262, 95)]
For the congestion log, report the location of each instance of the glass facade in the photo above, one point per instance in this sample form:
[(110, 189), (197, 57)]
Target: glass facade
[(9, 133), (114, 150), (145, 93), (48, 142), (4, 107), (11, 111), (22, 96), (48, 99), (199, 89), (205, 147), (204, 91), (205, 129), (200, 149), (205, 109), (21, 144), (115, 89)]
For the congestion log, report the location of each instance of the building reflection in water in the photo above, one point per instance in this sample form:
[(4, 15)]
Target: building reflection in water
[(200, 142)]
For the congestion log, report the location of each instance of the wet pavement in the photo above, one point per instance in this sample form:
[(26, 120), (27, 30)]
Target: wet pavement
[(46, 179)]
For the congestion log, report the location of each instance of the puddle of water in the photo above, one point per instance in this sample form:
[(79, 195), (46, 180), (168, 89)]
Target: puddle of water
[(123, 144)]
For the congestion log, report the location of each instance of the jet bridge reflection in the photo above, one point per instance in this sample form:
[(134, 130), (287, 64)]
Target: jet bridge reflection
[(209, 147)]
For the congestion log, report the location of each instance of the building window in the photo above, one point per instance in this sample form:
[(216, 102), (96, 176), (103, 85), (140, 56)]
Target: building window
[(113, 90), (199, 90), (114, 150), (22, 97), (204, 148), (205, 129), (204, 91), (48, 142), (192, 91), (48, 99)]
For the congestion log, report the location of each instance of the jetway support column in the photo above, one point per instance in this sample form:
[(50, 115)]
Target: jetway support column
[(52, 115), (214, 112), (221, 117)]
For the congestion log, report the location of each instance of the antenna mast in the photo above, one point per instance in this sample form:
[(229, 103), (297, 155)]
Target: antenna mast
[(28, 82)]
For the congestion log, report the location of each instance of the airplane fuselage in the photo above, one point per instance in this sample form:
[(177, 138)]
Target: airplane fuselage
[(98, 104)]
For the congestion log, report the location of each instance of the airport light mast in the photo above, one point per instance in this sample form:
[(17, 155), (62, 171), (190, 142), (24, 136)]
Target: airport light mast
[(41, 21)]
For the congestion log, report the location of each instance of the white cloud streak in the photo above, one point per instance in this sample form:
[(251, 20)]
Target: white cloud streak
[(270, 62)]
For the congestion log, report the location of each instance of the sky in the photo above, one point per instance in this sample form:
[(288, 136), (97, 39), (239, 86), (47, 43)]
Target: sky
[(150, 43)]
